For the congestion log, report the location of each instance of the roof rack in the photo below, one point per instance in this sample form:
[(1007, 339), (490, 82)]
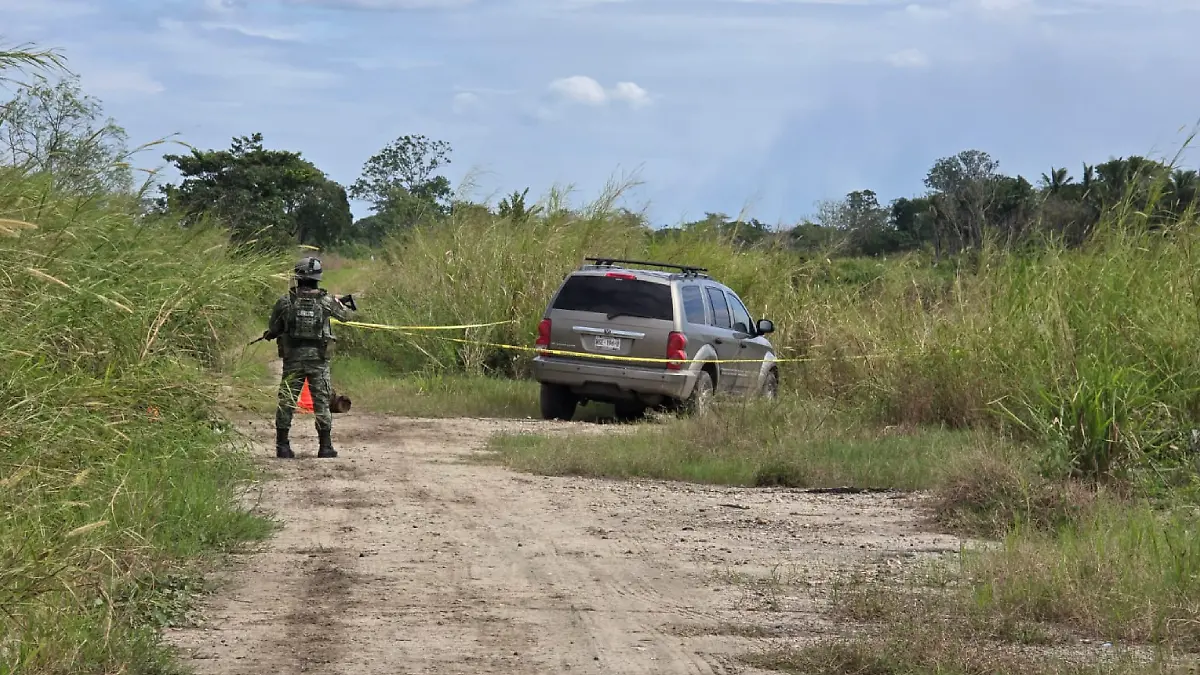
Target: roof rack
[(608, 262)]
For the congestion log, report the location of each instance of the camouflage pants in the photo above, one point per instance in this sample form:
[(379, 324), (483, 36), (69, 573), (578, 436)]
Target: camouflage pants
[(294, 373)]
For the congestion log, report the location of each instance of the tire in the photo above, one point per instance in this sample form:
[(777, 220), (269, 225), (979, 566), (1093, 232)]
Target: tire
[(629, 412), (770, 387), (557, 402), (698, 402)]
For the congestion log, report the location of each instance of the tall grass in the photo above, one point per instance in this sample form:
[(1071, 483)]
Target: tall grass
[(1089, 349), (114, 467)]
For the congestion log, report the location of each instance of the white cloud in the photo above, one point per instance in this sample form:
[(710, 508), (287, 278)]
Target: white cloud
[(580, 89), (586, 90), (464, 102), (267, 33), (908, 58), (631, 92)]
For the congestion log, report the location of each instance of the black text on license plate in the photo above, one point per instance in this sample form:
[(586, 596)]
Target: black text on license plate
[(608, 344)]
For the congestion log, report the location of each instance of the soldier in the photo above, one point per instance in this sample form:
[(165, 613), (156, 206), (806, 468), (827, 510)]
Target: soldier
[(300, 322)]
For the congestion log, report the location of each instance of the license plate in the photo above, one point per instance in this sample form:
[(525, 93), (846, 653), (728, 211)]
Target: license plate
[(608, 344)]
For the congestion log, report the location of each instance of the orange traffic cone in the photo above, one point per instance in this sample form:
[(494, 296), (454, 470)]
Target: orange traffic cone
[(306, 404)]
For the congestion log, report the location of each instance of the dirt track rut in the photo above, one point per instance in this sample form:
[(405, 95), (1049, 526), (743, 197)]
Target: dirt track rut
[(402, 556)]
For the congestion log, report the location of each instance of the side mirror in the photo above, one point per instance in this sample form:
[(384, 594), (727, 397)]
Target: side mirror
[(765, 326)]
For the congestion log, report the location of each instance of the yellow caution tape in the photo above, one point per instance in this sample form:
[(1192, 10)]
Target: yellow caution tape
[(643, 359), (576, 354), (380, 326)]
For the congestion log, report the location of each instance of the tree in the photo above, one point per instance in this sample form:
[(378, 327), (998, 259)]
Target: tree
[(966, 186), (60, 132), (402, 186), (1015, 204), (859, 224), (274, 197), (741, 233), (514, 208), (405, 167), (323, 217), (912, 219)]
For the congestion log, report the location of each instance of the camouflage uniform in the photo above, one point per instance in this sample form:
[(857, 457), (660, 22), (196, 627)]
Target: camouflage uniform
[(300, 324)]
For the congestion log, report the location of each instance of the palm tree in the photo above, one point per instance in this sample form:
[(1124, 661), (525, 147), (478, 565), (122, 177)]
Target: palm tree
[(1184, 190), (1056, 180)]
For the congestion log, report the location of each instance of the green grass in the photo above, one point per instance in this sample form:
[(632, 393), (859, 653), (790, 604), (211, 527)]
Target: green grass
[(788, 442), (1124, 572), (119, 479), (919, 650), (374, 389), (1116, 571)]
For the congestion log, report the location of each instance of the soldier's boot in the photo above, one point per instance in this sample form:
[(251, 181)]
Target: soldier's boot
[(283, 448), (326, 449)]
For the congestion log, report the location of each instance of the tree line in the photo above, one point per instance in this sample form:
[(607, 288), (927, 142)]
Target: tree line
[(278, 198), (969, 202)]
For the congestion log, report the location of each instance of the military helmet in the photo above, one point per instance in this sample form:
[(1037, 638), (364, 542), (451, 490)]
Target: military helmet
[(309, 268)]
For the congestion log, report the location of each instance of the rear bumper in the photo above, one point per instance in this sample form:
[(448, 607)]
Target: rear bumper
[(603, 382)]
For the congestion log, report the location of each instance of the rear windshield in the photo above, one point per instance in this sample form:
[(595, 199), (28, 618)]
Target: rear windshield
[(616, 297)]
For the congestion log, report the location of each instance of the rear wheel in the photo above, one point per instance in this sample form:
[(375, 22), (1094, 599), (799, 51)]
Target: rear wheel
[(629, 412), (557, 402), (697, 403)]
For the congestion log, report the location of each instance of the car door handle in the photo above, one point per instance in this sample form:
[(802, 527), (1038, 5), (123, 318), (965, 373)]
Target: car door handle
[(743, 345), (719, 341)]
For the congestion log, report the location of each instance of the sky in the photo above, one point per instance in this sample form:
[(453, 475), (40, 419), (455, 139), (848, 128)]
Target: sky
[(753, 107)]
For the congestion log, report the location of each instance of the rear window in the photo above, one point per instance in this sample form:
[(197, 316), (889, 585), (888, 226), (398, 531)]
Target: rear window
[(613, 296)]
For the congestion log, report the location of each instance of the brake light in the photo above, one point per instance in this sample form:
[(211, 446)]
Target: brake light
[(676, 349), (543, 337), (621, 275)]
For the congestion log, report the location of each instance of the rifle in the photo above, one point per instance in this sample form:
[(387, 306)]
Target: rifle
[(265, 336)]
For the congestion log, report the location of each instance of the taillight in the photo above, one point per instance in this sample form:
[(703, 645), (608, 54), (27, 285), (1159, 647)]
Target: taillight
[(543, 337), (621, 275), (676, 349)]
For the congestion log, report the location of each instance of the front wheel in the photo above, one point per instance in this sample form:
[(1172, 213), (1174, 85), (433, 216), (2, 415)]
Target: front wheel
[(770, 387), (557, 402)]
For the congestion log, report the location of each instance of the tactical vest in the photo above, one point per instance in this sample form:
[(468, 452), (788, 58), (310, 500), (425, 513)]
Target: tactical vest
[(307, 322)]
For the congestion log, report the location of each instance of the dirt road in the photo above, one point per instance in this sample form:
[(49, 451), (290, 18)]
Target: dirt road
[(404, 556)]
